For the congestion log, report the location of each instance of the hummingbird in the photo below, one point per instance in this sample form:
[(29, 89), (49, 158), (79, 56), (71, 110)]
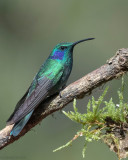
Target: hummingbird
[(50, 79)]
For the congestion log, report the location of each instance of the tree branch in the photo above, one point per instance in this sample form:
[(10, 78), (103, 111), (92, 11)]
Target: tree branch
[(114, 68)]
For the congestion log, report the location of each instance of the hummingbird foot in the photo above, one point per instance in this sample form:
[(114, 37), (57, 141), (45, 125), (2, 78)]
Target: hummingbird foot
[(60, 94)]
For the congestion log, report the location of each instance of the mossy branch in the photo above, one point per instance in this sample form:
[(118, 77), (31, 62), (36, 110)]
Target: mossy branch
[(115, 67)]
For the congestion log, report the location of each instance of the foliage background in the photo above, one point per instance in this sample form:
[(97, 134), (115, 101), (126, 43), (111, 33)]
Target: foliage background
[(29, 30)]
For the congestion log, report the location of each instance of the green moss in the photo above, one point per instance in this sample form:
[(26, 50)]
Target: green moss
[(98, 122)]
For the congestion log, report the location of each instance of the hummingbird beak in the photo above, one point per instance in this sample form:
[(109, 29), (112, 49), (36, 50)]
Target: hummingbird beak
[(82, 41)]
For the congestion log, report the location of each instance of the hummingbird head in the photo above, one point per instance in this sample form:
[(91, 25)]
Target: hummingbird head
[(64, 50)]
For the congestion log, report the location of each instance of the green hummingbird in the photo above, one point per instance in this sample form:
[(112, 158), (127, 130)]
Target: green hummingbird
[(50, 79)]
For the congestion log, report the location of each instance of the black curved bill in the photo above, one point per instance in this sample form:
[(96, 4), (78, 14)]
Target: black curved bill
[(82, 41)]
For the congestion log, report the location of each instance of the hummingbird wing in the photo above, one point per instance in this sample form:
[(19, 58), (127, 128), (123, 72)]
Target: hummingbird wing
[(37, 92), (21, 101)]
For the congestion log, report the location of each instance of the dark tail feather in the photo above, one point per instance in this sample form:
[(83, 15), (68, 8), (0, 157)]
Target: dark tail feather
[(20, 125)]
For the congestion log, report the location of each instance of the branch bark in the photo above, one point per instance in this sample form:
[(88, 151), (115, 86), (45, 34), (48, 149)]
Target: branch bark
[(114, 67)]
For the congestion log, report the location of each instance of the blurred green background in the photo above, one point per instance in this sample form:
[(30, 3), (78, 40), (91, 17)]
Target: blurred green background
[(29, 30)]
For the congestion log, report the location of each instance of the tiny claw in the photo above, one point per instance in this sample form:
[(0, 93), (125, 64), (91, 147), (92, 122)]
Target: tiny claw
[(60, 94)]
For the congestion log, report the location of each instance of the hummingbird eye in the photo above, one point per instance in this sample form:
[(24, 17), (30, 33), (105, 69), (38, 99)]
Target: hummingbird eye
[(63, 47)]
